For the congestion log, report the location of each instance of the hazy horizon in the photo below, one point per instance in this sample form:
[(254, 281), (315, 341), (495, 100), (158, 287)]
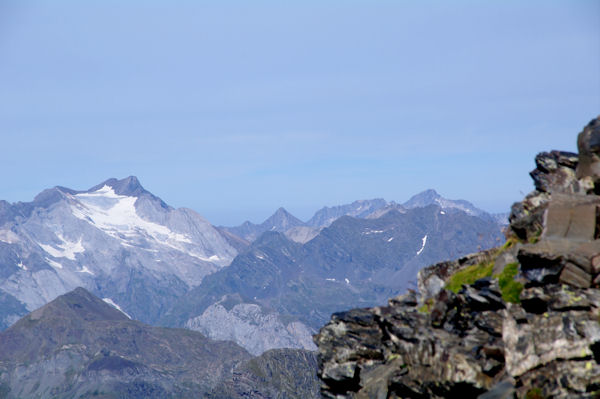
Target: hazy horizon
[(234, 110)]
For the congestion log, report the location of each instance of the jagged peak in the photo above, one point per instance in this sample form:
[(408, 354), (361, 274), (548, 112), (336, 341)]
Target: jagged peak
[(282, 212), (129, 186), (282, 215), (427, 196)]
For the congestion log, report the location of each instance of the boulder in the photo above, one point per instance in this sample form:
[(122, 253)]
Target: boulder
[(555, 172), (588, 145), (572, 217)]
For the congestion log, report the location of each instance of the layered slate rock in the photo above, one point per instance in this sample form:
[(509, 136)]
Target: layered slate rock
[(529, 328)]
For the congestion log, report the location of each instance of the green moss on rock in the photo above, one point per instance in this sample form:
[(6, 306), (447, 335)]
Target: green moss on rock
[(511, 289), (469, 275)]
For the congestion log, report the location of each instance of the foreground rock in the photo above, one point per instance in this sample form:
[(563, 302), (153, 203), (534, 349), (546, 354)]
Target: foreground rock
[(518, 321)]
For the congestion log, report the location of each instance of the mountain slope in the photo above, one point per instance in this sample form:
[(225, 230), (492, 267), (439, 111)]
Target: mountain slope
[(278, 292), (79, 346), (431, 197), (116, 239), (93, 349)]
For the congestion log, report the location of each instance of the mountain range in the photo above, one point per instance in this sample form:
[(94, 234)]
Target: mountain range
[(278, 292), (296, 230), (263, 286)]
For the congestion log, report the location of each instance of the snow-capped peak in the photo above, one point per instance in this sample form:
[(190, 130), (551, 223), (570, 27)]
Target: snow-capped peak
[(116, 215)]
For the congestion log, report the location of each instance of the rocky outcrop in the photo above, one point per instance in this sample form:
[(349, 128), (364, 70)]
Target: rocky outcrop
[(522, 320)]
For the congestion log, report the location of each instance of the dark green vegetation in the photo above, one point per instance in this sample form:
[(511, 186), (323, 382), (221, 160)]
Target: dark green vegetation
[(509, 286), (95, 351), (511, 289), (469, 275)]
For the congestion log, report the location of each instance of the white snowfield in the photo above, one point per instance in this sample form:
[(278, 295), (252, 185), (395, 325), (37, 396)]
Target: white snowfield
[(424, 239), (116, 216)]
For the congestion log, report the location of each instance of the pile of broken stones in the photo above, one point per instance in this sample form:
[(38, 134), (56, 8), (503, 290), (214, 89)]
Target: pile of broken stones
[(474, 344)]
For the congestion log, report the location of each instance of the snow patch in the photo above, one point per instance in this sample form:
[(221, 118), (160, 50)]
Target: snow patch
[(67, 249), (442, 213), (347, 281), (8, 237), (330, 279), (390, 239), (114, 305), (84, 269), (213, 258), (372, 232), (424, 239), (21, 265), (54, 264)]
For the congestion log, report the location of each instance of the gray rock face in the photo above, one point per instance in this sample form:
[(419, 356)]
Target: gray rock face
[(116, 239), (528, 329), (276, 374), (251, 327)]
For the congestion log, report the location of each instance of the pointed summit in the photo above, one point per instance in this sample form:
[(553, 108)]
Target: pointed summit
[(431, 197), (281, 220), (129, 186), (424, 198), (78, 304)]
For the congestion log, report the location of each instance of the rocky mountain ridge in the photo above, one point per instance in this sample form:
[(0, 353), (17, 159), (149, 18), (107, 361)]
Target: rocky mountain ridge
[(278, 292), (296, 230), (521, 320)]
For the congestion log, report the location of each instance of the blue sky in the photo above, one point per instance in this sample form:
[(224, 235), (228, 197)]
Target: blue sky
[(234, 109)]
